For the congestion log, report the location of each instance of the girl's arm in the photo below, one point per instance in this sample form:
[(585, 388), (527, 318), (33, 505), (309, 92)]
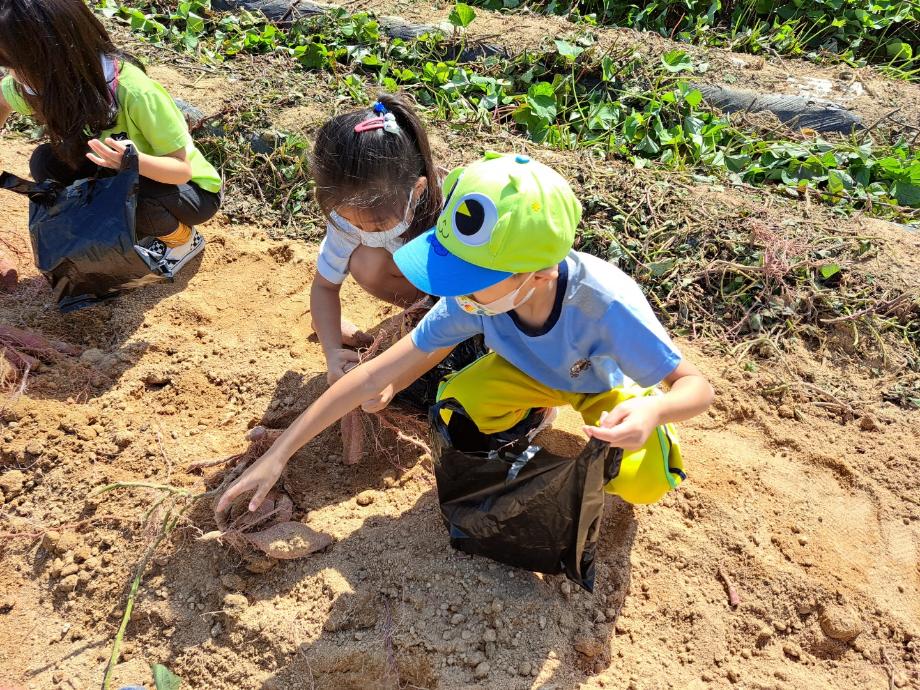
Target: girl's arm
[(371, 385), (326, 310), (173, 168), (630, 423), (5, 111)]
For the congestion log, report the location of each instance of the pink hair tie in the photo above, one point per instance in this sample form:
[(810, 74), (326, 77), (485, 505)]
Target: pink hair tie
[(370, 124), (385, 122)]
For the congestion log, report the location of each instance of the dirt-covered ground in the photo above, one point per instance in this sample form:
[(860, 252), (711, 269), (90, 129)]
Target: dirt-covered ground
[(804, 499)]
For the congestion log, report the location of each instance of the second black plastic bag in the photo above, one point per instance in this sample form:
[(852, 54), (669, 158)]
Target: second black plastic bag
[(83, 236), (517, 503)]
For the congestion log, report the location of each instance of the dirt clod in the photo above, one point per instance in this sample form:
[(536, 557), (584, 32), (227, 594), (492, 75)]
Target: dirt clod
[(235, 603), (588, 645), (11, 483), (840, 623)]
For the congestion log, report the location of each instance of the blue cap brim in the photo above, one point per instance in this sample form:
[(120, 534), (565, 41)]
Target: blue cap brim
[(428, 265)]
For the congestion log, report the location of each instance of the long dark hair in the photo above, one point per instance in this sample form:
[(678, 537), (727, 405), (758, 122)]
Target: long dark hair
[(376, 169), (54, 46)]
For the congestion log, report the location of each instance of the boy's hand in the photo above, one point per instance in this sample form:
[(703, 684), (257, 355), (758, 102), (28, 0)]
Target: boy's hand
[(628, 425), (261, 476), (339, 362)]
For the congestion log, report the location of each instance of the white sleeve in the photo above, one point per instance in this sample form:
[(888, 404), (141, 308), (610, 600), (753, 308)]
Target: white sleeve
[(334, 253)]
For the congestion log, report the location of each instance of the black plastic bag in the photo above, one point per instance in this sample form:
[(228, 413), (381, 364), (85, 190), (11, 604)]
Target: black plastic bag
[(83, 235), (422, 393), (517, 503)]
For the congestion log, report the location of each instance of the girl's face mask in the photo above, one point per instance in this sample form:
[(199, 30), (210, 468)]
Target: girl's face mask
[(379, 238), (499, 306)]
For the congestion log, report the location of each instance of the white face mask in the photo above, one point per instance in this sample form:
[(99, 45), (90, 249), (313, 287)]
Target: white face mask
[(498, 306), (374, 239)]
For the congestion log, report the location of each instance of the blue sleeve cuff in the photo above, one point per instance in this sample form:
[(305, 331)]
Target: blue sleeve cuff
[(669, 364)]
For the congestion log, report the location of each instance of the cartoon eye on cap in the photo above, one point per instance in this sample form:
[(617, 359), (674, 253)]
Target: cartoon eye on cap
[(474, 219)]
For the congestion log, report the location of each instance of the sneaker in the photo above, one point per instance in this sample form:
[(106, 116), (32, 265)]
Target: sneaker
[(174, 258)]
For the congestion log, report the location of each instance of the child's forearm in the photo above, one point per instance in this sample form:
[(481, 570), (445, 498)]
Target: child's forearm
[(326, 310), (165, 169), (688, 396), (374, 382), (5, 111)]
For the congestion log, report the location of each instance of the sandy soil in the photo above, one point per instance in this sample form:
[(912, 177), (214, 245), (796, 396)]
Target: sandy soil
[(811, 514)]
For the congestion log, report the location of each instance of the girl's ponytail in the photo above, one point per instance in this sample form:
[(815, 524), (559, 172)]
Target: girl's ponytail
[(429, 206)]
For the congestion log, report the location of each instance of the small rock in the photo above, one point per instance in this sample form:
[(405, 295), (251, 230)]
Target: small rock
[(524, 668), (70, 569), (764, 634), (457, 619), (792, 651), (868, 423), (542, 622), (11, 483), (565, 588), (899, 680), (157, 378), (588, 646), (87, 433), (786, 411), (489, 635), (124, 438), (259, 565), (840, 623), (235, 603), (482, 670), (365, 498), (68, 584), (92, 356), (35, 449), (733, 675)]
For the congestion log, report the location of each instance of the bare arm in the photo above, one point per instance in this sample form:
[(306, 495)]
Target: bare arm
[(689, 394), (5, 111), (326, 309), (173, 168), (371, 385)]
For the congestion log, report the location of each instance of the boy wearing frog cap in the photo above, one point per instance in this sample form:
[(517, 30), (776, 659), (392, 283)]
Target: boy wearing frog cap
[(563, 327)]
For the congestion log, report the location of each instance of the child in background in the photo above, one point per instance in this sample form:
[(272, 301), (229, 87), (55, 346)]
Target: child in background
[(92, 99), (565, 328), (378, 187)]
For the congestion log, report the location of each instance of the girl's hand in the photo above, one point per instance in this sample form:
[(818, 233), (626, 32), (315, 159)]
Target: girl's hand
[(261, 476), (109, 154), (339, 362), (629, 424)]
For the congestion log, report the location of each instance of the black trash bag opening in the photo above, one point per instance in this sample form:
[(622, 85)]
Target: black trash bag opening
[(422, 393), (83, 235), (517, 503)]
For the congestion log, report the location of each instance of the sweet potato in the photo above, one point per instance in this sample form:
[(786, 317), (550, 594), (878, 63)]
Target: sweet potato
[(352, 438), (9, 274), (34, 342), (288, 540)]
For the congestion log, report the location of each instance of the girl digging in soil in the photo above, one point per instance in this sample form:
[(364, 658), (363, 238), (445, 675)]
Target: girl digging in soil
[(378, 187), (92, 99), (565, 328)]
